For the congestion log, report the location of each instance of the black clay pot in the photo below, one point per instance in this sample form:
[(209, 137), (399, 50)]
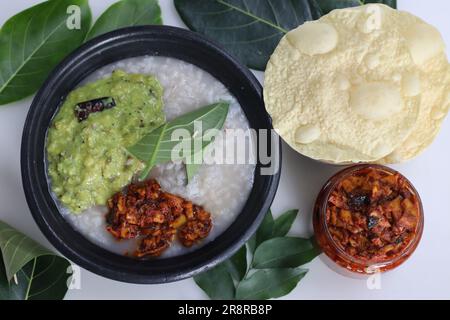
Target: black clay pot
[(114, 46)]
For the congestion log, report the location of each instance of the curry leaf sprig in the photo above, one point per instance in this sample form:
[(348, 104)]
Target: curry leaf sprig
[(29, 271), (275, 267), (157, 146), (35, 40)]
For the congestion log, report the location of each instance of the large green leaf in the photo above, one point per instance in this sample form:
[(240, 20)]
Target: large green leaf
[(250, 30), (156, 147), (270, 283), (29, 271), (328, 5), (127, 13), (237, 264), (33, 42), (285, 252), (217, 283)]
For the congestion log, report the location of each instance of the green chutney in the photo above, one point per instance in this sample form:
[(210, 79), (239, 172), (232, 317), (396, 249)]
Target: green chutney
[(87, 160)]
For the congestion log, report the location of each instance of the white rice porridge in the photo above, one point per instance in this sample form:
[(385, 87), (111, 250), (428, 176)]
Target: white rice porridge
[(222, 189)]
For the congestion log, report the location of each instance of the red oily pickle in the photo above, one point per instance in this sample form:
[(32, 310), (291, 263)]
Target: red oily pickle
[(368, 217), (156, 217)]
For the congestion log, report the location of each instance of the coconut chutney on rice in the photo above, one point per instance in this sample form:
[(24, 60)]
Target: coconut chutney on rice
[(220, 190)]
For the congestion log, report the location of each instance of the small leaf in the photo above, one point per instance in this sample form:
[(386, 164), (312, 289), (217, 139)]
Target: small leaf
[(237, 264), (193, 165), (216, 283), (126, 13), (263, 233), (251, 244), (29, 271), (191, 170), (284, 223), (270, 283), (286, 252), (156, 147), (33, 42), (154, 140), (250, 30)]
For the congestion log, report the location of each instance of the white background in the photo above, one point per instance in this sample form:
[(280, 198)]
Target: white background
[(425, 276)]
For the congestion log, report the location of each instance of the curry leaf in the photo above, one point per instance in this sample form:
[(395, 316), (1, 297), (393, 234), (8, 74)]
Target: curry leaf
[(158, 145), (191, 170), (284, 252), (29, 271), (237, 264), (127, 13), (328, 5), (250, 30), (263, 233), (284, 223), (280, 257), (193, 165), (216, 283), (34, 41), (270, 283)]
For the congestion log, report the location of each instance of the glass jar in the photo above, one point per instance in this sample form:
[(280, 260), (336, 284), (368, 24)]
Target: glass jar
[(342, 254)]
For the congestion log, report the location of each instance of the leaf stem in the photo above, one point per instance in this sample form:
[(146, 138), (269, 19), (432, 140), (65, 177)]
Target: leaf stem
[(248, 13), (250, 267), (31, 279)]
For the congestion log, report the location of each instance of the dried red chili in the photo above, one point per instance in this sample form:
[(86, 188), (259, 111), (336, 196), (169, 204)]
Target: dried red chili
[(85, 108), (144, 211), (371, 213)]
